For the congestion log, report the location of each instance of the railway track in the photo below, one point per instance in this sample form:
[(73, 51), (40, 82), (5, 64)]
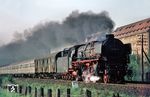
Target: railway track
[(137, 82), (131, 88)]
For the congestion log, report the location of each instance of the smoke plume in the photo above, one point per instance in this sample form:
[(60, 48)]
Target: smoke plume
[(45, 37)]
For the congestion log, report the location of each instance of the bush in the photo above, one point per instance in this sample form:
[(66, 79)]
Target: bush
[(134, 67)]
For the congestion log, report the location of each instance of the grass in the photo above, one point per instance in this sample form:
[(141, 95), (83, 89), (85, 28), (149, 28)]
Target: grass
[(5, 93), (75, 92)]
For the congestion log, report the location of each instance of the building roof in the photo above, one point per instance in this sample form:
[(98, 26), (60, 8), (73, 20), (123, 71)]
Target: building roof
[(133, 28)]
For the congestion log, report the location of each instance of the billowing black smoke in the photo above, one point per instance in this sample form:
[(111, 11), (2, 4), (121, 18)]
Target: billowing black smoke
[(39, 40)]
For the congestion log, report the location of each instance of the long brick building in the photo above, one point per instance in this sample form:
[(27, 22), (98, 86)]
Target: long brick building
[(131, 33)]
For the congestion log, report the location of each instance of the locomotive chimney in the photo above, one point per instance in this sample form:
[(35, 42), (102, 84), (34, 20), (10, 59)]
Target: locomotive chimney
[(109, 36)]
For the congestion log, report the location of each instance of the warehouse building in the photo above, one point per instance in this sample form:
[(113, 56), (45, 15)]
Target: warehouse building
[(132, 33)]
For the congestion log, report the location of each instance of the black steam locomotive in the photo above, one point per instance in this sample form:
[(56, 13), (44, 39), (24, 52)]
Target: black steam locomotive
[(105, 60)]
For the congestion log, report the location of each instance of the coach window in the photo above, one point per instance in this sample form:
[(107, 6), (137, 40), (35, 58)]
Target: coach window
[(21, 66), (16, 67), (31, 64), (37, 62), (28, 65), (52, 61), (24, 65), (43, 61), (40, 61), (47, 60)]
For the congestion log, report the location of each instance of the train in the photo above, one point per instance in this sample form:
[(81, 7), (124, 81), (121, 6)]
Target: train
[(107, 59)]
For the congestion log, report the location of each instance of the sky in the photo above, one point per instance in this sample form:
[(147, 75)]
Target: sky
[(18, 15)]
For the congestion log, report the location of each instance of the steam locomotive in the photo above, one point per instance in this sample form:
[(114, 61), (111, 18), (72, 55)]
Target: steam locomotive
[(107, 59)]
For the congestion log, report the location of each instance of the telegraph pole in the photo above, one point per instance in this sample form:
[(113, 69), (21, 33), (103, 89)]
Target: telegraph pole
[(142, 59)]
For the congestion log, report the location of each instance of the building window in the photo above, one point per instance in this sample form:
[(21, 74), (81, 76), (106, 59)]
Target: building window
[(43, 61)]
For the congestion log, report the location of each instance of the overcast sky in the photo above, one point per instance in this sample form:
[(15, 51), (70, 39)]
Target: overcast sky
[(17, 15)]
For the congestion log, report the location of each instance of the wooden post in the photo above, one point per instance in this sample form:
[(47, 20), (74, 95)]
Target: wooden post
[(9, 88), (88, 93), (98, 93), (20, 89), (68, 92), (114, 95), (58, 92), (41, 92), (118, 95), (16, 89), (26, 89), (142, 60), (81, 92), (30, 89), (49, 93), (5, 87), (35, 93)]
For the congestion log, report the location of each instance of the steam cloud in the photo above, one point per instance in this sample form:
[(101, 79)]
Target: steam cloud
[(44, 37)]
